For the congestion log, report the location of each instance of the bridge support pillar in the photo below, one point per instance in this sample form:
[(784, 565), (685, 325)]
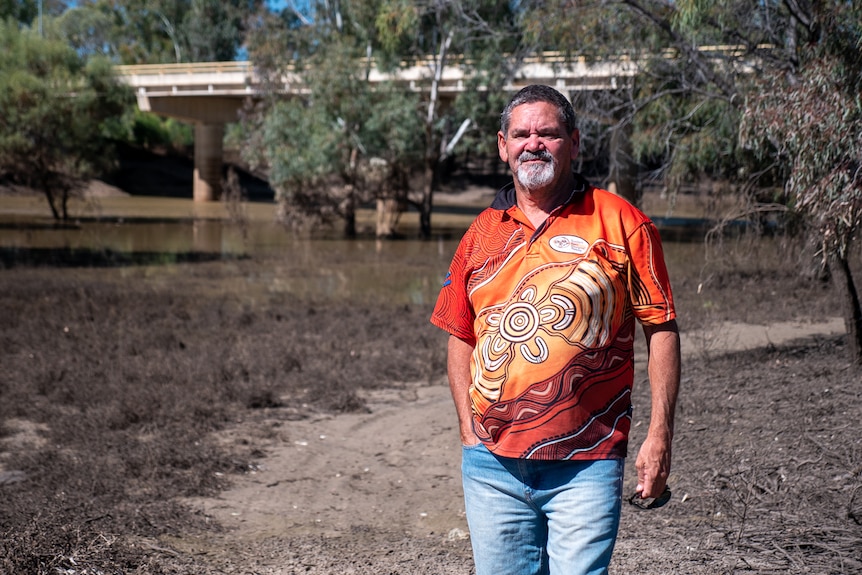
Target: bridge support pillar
[(208, 161)]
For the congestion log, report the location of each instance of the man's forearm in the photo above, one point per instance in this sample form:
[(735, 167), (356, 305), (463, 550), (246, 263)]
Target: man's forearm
[(664, 375), (458, 363), (654, 458)]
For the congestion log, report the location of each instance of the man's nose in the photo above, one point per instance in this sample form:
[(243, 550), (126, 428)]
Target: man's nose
[(534, 142)]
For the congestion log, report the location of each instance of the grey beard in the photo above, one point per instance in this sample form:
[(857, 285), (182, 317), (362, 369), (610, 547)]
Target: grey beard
[(532, 176)]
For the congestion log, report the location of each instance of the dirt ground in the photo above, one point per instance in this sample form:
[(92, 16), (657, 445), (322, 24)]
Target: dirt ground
[(164, 419)]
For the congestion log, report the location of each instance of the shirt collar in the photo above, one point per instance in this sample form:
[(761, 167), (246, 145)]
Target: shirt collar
[(506, 197)]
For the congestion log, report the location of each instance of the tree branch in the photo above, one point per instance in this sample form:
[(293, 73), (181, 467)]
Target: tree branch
[(690, 53)]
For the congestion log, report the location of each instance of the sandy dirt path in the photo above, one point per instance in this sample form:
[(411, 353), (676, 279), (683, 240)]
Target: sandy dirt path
[(393, 469)]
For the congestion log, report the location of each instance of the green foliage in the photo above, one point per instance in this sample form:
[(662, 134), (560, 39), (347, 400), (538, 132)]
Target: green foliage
[(408, 30), (86, 29), (215, 29), (156, 31), (317, 149), (808, 124), (482, 100), (23, 12), (276, 44), (811, 126), (151, 131), (26, 12), (392, 131), (806, 119), (396, 22), (407, 130), (303, 146), (58, 114), (689, 134), (590, 28)]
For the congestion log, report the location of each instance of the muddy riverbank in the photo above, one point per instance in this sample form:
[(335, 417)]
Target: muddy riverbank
[(285, 411)]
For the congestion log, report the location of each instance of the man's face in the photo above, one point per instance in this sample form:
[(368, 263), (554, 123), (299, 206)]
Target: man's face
[(537, 147)]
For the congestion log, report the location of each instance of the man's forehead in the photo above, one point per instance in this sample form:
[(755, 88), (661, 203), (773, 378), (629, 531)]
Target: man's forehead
[(540, 113)]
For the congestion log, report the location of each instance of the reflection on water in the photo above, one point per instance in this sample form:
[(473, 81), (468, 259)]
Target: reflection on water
[(120, 235), (406, 271)]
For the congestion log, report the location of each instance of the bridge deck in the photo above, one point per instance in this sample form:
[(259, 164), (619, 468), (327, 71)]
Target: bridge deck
[(241, 78)]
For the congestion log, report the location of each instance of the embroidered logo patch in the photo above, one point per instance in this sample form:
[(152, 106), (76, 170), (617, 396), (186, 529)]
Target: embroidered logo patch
[(569, 244)]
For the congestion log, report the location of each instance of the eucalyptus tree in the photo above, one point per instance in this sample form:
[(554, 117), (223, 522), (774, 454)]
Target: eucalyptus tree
[(215, 29), (335, 144), (59, 115), (158, 31), (388, 130), (27, 12), (596, 31), (677, 115), (482, 37), (806, 121), (126, 31), (90, 31), (792, 98), (19, 11)]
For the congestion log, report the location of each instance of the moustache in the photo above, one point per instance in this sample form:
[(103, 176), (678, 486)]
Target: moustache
[(543, 155)]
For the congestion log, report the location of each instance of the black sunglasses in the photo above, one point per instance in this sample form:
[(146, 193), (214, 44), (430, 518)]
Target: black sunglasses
[(650, 502)]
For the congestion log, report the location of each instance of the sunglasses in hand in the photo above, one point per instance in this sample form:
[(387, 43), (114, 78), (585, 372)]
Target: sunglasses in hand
[(650, 502)]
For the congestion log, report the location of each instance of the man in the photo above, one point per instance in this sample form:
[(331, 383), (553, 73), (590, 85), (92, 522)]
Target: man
[(540, 302)]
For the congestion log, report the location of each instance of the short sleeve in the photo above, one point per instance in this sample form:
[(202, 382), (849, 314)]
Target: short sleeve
[(453, 312), (649, 283)]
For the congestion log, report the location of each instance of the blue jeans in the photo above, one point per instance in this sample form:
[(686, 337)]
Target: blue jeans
[(530, 517)]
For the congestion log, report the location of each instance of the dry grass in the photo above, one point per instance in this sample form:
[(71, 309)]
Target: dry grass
[(112, 380), (122, 379)]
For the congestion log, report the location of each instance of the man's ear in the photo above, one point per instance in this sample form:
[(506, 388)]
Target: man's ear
[(576, 143), (501, 147)]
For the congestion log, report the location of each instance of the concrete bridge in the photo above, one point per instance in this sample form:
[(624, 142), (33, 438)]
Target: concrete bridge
[(209, 95)]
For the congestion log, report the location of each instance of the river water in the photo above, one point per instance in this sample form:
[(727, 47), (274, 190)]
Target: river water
[(119, 231)]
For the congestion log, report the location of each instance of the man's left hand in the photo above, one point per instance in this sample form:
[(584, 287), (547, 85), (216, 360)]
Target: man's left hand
[(653, 465)]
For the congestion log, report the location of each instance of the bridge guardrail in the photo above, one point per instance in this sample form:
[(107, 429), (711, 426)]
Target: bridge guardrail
[(566, 72)]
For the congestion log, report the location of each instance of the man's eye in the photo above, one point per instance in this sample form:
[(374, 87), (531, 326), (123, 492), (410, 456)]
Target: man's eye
[(541, 135)]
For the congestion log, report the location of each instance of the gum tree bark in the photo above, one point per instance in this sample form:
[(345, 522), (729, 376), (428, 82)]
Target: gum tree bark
[(852, 310)]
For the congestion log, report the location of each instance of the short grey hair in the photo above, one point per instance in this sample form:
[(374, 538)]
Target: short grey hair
[(540, 93)]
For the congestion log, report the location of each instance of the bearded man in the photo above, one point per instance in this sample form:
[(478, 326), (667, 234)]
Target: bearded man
[(541, 302)]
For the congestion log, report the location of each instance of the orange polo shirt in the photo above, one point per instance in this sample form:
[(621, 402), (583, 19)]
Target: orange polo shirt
[(551, 313)]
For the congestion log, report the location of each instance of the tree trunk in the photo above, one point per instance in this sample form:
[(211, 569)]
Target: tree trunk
[(852, 311), (348, 206), (348, 209), (65, 204), (51, 203), (427, 201), (388, 212), (432, 155), (623, 171)]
